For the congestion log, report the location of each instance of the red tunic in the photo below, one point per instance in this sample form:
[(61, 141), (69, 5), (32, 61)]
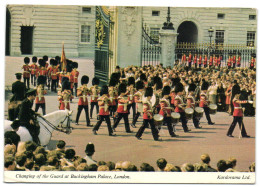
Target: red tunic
[(122, 104), (203, 100), (172, 95), (165, 107), (42, 71), (234, 59), (34, 68), (238, 111), (103, 108), (177, 102), (205, 60), (83, 100), (200, 59), (190, 102), (94, 97), (38, 100), (75, 74), (54, 73), (189, 59), (195, 59), (112, 99), (64, 104), (147, 109), (26, 71), (239, 60), (211, 61)]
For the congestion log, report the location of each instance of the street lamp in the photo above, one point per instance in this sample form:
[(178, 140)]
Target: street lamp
[(210, 34)]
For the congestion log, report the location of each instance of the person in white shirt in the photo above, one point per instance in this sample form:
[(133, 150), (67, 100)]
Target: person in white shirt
[(90, 150)]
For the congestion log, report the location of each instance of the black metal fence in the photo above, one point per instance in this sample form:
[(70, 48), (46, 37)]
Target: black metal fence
[(223, 50), (150, 49)]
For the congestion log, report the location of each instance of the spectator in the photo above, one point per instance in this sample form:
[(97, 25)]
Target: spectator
[(161, 164), (92, 167), (125, 165), (9, 163), (60, 146), (111, 165), (90, 150), (100, 163), (187, 167), (69, 158), (103, 168), (82, 167), (30, 146), (198, 167), (9, 150), (53, 163), (222, 166), (252, 167), (20, 161), (206, 160), (40, 160), (13, 136)]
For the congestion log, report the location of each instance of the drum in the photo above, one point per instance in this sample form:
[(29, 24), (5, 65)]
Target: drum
[(158, 119), (175, 117), (213, 108), (199, 112), (189, 113)]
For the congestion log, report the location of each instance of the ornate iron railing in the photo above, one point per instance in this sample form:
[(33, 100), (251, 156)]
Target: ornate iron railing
[(150, 49)]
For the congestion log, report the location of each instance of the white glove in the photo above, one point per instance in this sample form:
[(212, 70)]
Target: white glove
[(251, 102)]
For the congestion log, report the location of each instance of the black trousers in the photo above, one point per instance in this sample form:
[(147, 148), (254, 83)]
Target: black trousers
[(34, 130), (183, 121), (145, 124), (54, 85), (101, 119), (42, 106), (236, 120), (76, 87), (80, 108), (33, 79), (92, 104), (206, 110), (27, 82), (195, 121), (168, 122), (136, 118), (132, 105), (112, 110), (125, 117)]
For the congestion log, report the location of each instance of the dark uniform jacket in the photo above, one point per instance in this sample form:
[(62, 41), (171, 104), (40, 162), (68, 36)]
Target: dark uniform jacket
[(18, 89), (26, 113)]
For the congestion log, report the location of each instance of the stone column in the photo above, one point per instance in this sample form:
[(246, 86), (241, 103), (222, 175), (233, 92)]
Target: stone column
[(168, 39)]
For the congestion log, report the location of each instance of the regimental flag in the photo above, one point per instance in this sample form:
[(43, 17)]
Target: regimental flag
[(63, 59)]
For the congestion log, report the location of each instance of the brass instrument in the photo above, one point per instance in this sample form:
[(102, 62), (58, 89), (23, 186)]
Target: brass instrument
[(40, 92), (106, 100), (66, 97), (84, 91), (94, 90)]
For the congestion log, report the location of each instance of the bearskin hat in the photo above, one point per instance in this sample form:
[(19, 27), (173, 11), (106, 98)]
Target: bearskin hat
[(166, 90), (45, 58), (156, 79), (95, 81), (41, 80), (64, 79), (26, 60), (235, 90), (65, 85), (75, 65), (139, 85), (57, 58), (104, 90), (148, 92), (51, 61), (55, 62), (90, 148), (84, 79), (121, 88), (159, 85), (113, 81), (34, 59), (205, 85), (131, 80), (192, 87), (179, 87), (143, 77), (42, 62), (69, 67)]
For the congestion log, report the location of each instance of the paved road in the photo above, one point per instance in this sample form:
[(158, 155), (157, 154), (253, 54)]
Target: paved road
[(186, 148)]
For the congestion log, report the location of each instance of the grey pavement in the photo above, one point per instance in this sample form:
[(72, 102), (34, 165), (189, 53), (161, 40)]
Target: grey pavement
[(186, 148)]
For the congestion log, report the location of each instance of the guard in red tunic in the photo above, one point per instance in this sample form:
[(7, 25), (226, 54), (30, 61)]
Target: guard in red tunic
[(75, 75), (191, 102), (104, 103), (200, 60), (42, 70), (70, 75), (34, 70), (204, 101), (64, 96), (113, 93), (183, 60), (195, 60), (94, 91), (57, 58), (122, 108), (252, 64), (138, 101), (210, 61), (238, 113), (166, 109), (148, 116), (219, 61), (40, 92), (234, 61), (229, 62), (26, 72), (179, 106), (49, 69), (190, 60), (54, 73), (130, 92), (239, 61), (82, 93), (205, 63)]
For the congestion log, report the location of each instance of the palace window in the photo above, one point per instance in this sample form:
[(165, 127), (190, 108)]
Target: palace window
[(85, 33), (221, 16), (154, 33), (252, 17), (155, 13), (219, 37), (86, 10), (250, 38)]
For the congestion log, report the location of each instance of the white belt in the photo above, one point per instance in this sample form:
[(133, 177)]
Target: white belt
[(237, 107)]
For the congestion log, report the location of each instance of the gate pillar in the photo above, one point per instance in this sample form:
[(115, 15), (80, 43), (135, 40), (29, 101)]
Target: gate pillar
[(168, 39)]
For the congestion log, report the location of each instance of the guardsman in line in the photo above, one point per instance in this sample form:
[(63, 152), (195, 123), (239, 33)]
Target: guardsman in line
[(229, 62), (239, 61), (26, 72), (45, 59), (138, 96), (252, 63), (70, 75), (18, 90), (234, 61), (54, 73), (40, 92), (204, 101), (130, 92), (179, 106), (82, 93), (27, 116), (191, 102), (34, 69), (200, 60), (183, 60), (210, 61), (122, 111), (205, 63), (238, 113), (65, 95), (75, 74), (113, 94), (104, 102), (195, 60), (166, 109), (57, 58), (49, 69), (219, 61), (94, 90), (42, 70), (189, 60), (148, 116)]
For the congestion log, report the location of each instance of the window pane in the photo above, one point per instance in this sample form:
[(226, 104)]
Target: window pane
[(85, 33)]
